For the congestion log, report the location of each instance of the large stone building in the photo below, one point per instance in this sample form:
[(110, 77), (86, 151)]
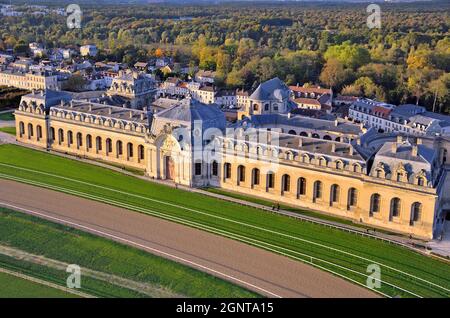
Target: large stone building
[(408, 118), (131, 89), (393, 182), (271, 97), (29, 80)]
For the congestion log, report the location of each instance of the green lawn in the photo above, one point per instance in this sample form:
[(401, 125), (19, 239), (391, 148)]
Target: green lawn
[(15, 287), (72, 246), (9, 130), (343, 253), (7, 116)]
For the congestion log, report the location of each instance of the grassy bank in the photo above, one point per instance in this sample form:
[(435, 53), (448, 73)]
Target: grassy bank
[(9, 130), (62, 243), (404, 272), (15, 287)]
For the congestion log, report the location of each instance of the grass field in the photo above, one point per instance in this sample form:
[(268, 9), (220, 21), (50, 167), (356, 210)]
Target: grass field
[(72, 246), (15, 287), (9, 130), (404, 272), (7, 116)]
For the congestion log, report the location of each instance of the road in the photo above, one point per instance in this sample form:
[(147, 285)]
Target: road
[(256, 269)]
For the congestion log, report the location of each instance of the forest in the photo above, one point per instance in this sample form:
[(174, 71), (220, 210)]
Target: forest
[(407, 60)]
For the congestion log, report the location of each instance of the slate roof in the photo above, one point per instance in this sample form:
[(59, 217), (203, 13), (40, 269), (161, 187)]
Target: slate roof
[(274, 89)]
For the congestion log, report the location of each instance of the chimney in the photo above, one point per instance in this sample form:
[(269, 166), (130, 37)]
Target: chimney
[(350, 151), (131, 114), (336, 122), (415, 151), (300, 142), (90, 107), (142, 116), (110, 110), (289, 115), (269, 137), (394, 147), (419, 141), (333, 147)]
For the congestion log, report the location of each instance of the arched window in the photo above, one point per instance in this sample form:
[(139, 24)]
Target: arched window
[(60, 136), (119, 149), (38, 132), (69, 137), (255, 176), (270, 180), (21, 128), (52, 134), (79, 140), (317, 194), (338, 139), (316, 136), (326, 137), (108, 146), (416, 212), (215, 168), (420, 181), (130, 151), (292, 132), (322, 161), (141, 154), (241, 174), (304, 134), (339, 165), (255, 107), (395, 208), (30, 131), (352, 197), (98, 142), (227, 170), (334, 194), (88, 142), (301, 186), (286, 183), (375, 201)]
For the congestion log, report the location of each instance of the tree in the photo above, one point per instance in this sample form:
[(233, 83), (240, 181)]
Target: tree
[(350, 55), (333, 74), (75, 83)]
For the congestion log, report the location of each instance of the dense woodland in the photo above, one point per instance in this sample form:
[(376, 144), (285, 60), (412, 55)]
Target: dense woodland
[(407, 60)]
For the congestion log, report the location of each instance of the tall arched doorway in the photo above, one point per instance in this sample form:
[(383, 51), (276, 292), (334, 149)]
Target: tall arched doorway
[(170, 168)]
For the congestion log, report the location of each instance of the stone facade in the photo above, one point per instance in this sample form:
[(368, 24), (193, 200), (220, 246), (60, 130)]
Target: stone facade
[(390, 182)]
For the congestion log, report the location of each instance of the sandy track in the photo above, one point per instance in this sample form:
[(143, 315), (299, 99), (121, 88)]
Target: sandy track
[(264, 272)]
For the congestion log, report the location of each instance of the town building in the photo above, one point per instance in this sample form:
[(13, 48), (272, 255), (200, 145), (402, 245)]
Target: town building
[(29, 80), (88, 50), (411, 119), (132, 90)]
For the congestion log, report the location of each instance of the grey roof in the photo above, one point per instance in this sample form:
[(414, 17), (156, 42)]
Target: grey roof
[(321, 147), (189, 110), (49, 97), (407, 110), (163, 102), (273, 89), (132, 115), (304, 122), (404, 152)]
